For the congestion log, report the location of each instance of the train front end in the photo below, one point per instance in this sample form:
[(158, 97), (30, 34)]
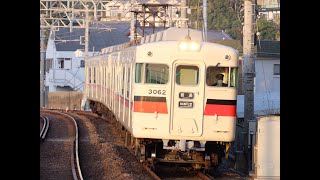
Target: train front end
[(180, 114)]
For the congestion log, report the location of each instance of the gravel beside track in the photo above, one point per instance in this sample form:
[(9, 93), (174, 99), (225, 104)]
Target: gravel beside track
[(102, 153), (55, 150)]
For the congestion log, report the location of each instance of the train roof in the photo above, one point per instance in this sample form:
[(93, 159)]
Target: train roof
[(171, 34)]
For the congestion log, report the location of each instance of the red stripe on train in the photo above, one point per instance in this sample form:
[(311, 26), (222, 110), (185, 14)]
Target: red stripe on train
[(150, 107), (126, 102), (220, 110)]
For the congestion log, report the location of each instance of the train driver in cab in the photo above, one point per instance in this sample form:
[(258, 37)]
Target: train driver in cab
[(219, 81)]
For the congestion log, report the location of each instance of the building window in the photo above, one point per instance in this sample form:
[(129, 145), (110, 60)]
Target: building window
[(48, 64), (276, 15), (64, 63), (264, 16), (276, 69), (82, 63)]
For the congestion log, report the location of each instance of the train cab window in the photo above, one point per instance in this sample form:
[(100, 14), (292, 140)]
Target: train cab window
[(157, 73), (217, 76), (187, 75), (234, 77)]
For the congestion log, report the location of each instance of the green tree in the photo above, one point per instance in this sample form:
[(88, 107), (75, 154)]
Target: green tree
[(221, 15), (228, 15), (269, 30), (196, 14)]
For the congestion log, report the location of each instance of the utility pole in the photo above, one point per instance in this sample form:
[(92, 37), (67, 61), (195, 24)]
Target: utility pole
[(183, 13), (205, 19), (42, 70), (132, 21), (86, 47), (248, 69), (86, 36), (198, 14)]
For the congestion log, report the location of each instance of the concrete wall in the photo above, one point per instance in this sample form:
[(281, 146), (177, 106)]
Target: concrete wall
[(64, 99)]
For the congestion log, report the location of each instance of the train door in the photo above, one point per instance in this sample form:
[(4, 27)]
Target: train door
[(187, 98)]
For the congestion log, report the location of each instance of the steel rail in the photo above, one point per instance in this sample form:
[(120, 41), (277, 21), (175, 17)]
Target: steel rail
[(75, 142), (45, 127)]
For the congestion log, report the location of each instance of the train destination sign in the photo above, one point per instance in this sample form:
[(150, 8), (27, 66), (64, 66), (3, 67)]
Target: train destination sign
[(186, 95), (185, 104)]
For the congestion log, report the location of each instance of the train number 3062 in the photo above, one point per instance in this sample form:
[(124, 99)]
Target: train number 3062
[(155, 91)]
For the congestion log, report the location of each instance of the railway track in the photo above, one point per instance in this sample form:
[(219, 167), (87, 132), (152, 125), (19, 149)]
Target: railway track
[(103, 154), (44, 126), (101, 142), (154, 175), (178, 175), (60, 148), (184, 173)]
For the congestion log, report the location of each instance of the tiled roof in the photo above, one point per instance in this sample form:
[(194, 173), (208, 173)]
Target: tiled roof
[(98, 38), (268, 48)]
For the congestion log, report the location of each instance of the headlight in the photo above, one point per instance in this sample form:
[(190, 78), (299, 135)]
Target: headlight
[(183, 46), (188, 45), (194, 46)]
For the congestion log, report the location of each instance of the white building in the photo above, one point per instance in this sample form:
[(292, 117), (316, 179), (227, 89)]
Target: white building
[(266, 81), (65, 71), (269, 9)]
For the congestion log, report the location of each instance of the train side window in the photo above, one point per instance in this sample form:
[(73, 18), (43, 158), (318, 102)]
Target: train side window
[(187, 75), (217, 76), (138, 72), (94, 75), (157, 73), (128, 82), (89, 75), (122, 83)]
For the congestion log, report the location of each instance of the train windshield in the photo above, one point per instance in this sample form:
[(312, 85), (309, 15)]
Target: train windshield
[(222, 76), (187, 75)]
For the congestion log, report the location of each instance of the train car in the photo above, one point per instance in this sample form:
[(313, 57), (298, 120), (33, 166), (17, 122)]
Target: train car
[(173, 95)]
